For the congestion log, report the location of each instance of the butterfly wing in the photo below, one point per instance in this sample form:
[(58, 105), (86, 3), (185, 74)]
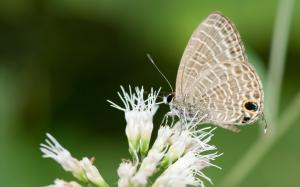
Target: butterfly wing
[(214, 75), (214, 40), (225, 91)]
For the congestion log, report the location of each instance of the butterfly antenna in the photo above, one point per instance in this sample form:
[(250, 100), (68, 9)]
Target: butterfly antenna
[(153, 63)]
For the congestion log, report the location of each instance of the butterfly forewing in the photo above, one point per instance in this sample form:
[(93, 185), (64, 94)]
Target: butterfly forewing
[(214, 76), (215, 40)]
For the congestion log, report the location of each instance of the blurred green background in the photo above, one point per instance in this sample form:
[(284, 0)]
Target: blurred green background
[(61, 59)]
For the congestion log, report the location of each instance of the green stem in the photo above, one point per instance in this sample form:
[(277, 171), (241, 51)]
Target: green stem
[(277, 60), (103, 184)]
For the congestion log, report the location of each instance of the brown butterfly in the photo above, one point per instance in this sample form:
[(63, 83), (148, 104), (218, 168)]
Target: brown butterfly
[(215, 83)]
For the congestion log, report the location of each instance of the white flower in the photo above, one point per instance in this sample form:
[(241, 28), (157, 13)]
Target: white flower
[(187, 136), (62, 183), (187, 156), (151, 161), (139, 112), (185, 171), (92, 172), (58, 153), (125, 172), (84, 170), (164, 133)]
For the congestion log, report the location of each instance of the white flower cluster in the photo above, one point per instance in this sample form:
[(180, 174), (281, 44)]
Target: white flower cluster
[(176, 158), (179, 152)]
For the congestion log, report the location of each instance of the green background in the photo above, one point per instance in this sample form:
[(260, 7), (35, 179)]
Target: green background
[(60, 60)]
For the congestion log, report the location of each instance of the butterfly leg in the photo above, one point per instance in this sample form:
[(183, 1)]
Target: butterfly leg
[(165, 119), (173, 120)]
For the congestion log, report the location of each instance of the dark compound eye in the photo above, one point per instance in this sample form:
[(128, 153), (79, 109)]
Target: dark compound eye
[(252, 106), (170, 98)]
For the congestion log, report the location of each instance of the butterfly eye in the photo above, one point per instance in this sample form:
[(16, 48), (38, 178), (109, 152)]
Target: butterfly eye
[(170, 97), (251, 106)]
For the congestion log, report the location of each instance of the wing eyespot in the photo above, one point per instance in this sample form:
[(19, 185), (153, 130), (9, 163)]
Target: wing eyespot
[(250, 106)]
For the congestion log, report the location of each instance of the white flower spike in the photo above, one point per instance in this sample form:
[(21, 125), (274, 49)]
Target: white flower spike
[(187, 156), (92, 172), (185, 171), (187, 137), (83, 170), (151, 161), (62, 183), (58, 153), (125, 172), (139, 112)]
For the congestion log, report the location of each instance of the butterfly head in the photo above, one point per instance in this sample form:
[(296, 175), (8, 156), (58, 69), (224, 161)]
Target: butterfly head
[(169, 98)]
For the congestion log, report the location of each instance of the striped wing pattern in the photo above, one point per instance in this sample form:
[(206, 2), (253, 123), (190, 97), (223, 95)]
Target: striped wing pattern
[(214, 76)]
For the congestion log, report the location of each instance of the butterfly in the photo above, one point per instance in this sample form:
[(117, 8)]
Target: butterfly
[(215, 83)]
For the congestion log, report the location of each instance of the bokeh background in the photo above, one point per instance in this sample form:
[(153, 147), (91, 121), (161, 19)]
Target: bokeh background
[(60, 60)]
